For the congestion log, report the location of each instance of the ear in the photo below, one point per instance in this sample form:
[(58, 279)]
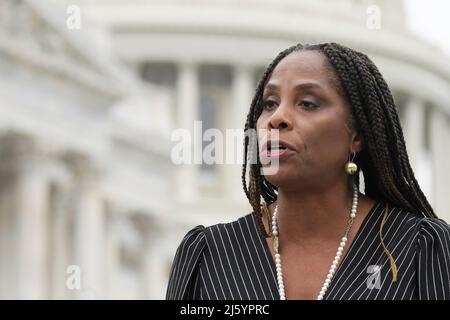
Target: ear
[(356, 142)]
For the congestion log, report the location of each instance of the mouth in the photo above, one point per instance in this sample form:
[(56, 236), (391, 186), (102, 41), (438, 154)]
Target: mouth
[(276, 149)]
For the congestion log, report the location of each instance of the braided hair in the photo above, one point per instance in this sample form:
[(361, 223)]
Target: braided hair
[(384, 161)]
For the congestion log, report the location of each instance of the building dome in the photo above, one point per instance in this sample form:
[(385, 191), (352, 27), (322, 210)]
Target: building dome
[(95, 188)]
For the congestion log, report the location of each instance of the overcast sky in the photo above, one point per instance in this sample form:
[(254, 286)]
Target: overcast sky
[(430, 19)]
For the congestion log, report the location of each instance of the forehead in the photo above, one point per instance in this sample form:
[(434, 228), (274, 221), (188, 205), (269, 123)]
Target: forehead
[(302, 64)]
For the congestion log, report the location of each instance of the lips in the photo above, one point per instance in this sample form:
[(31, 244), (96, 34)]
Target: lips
[(276, 148), (276, 144)]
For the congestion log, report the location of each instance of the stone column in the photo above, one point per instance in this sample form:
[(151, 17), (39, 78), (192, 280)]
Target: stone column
[(112, 250), (154, 260), (243, 90), (88, 219), (440, 146), (61, 244), (414, 129), (187, 105), (242, 94), (23, 166), (7, 285)]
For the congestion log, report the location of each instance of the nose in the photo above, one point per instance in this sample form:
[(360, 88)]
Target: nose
[(281, 118)]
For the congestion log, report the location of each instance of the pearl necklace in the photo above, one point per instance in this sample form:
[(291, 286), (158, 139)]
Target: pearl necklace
[(336, 260)]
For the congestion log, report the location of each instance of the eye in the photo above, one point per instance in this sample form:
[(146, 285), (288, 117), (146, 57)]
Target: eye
[(309, 104), (269, 104)]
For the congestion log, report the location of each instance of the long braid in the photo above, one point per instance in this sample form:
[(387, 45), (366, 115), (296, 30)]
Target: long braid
[(368, 94), (406, 166), (384, 161), (397, 176), (264, 188), (395, 135)]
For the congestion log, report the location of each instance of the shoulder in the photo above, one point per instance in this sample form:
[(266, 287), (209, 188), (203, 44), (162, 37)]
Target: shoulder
[(215, 238), (420, 247), (403, 222), (433, 238), (195, 245), (433, 259), (223, 231), (404, 229), (222, 237), (185, 263), (429, 243), (433, 228), (190, 249), (200, 236), (424, 228), (191, 245), (193, 239)]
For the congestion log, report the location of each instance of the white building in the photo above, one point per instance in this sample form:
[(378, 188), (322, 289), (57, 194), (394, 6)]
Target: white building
[(86, 173), (85, 180)]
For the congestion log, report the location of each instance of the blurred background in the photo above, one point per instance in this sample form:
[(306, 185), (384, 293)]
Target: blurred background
[(91, 205)]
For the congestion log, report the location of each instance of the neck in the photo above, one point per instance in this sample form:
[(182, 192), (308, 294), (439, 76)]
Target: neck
[(319, 214)]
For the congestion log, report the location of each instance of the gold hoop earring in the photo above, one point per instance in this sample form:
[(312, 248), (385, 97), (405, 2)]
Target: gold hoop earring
[(350, 166)]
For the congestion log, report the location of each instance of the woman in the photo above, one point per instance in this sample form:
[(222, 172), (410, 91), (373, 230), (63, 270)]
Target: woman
[(319, 237)]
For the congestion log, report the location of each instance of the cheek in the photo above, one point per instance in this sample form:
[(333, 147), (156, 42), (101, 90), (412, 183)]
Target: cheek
[(258, 123), (261, 122), (260, 135), (329, 140), (334, 135), (261, 127)]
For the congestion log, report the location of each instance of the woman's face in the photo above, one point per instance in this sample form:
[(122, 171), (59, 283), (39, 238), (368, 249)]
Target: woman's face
[(301, 100)]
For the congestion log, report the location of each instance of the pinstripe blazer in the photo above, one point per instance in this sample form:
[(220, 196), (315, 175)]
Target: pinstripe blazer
[(233, 261)]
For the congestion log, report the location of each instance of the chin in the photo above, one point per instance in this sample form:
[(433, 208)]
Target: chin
[(280, 177)]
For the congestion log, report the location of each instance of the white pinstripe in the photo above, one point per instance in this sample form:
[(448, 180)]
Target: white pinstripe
[(229, 263), (355, 255), (206, 256), (270, 263), (239, 269), (221, 263), (245, 263)]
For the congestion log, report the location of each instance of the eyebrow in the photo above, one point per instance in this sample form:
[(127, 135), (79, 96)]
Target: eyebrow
[(299, 87)]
